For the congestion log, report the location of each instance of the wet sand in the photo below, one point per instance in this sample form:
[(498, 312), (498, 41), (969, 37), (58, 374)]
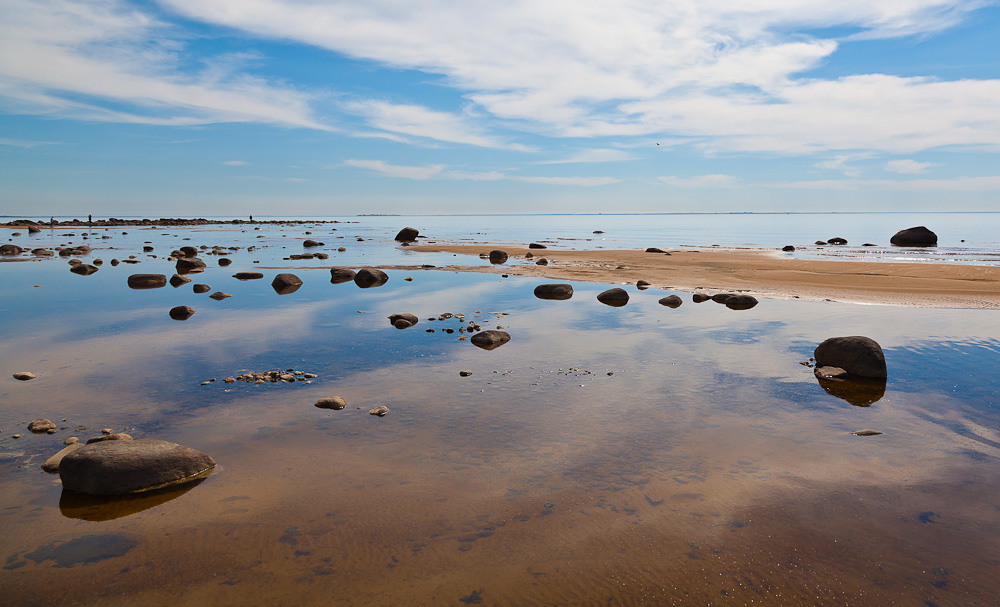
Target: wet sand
[(762, 273)]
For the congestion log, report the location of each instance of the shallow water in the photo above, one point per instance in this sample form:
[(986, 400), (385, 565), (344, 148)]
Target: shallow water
[(604, 456)]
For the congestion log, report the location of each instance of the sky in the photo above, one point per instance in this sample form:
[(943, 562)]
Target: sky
[(203, 108)]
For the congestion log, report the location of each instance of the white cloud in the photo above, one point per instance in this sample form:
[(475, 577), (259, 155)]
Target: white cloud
[(21, 143), (422, 173), (701, 181), (594, 155), (840, 163), (393, 170), (957, 184), (588, 182), (235, 163), (907, 166)]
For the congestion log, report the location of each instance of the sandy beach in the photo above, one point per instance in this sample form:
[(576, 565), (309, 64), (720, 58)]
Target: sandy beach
[(761, 273)]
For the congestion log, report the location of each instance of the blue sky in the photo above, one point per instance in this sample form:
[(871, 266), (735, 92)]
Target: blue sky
[(303, 107)]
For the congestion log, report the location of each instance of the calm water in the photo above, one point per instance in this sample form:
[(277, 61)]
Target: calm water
[(604, 456)]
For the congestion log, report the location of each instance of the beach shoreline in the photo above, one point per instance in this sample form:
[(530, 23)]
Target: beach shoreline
[(760, 273)]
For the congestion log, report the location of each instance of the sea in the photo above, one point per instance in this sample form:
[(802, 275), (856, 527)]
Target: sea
[(633, 455)]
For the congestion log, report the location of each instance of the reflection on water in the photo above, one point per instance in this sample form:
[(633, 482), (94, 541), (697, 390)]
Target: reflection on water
[(859, 391), (637, 455)]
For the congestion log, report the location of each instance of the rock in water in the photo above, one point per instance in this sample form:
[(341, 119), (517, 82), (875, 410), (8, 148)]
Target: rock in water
[(367, 278), (332, 402), (741, 302), (537, 245), (83, 269), (339, 275), (52, 464), (177, 280), (788, 248), (613, 297), (497, 256), (379, 411), (915, 237), (830, 373), (283, 284), (190, 265), (489, 340), (671, 301), (189, 251), (403, 320), (10, 249), (866, 433), (700, 297), (248, 275), (855, 354), (407, 234), (837, 240), (147, 281), (201, 288), (219, 295), (40, 426), (555, 291), (24, 375), (309, 243), (117, 467), (181, 312)]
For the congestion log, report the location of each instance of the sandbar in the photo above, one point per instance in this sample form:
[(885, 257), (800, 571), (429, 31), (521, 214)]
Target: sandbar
[(760, 273)]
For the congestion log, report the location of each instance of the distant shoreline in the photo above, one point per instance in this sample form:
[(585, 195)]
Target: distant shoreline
[(114, 222)]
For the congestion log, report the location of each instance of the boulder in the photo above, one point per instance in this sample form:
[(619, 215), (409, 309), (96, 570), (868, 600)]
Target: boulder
[(379, 411), (189, 251), (181, 312), (914, 237), (820, 243), (403, 320), (52, 464), (542, 262), (855, 354), (655, 250), (536, 245), (177, 280), (147, 281), (554, 291), (489, 340), (188, 265), (837, 241), (219, 295), (613, 297), (642, 285), (248, 275), (284, 284), (721, 297), (201, 288), (700, 297), (671, 301), (497, 256), (332, 402), (83, 269), (367, 278), (407, 234), (741, 302), (117, 467), (225, 261), (42, 252), (10, 249), (339, 275), (41, 426), (309, 243), (788, 248), (24, 375)]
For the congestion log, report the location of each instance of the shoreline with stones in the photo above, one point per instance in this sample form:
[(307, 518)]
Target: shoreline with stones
[(114, 222)]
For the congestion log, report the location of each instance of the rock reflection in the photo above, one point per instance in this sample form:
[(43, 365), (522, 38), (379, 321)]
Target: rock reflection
[(105, 508), (860, 392)]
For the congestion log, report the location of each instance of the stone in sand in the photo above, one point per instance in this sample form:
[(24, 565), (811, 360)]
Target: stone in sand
[(613, 297), (189, 265), (741, 302), (542, 262), (117, 467), (554, 291), (407, 234), (83, 269), (403, 320), (24, 375), (40, 426), (147, 281), (10, 249), (489, 340), (379, 411), (219, 295), (181, 312), (858, 355), (52, 464), (284, 284), (367, 278), (332, 402), (498, 256), (201, 288), (655, 250), (340, 275), (919, 236), (537, 245), (671, 301)]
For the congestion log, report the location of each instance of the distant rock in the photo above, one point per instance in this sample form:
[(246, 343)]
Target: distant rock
[(465, 373), (332, 402), (497, 256), (219, 295), (309, 243), (340, 275), (554, 291), (836, 241), (379, 411), (820, 243), (201, 288), (598, 231), (42, 252), (671, 301), (788, 248), (147, 281), (10, 249), (367, 278), (613, 297), (642, 285), (41, 426), (225, 261), (866, 433), (24, 375), (407, 234), (189, 251), (83, 269), (118, 467), (285, 284), (489, 340), (855, 354), (248, 275), (741, 302), (181, 312), (536, 245), (542, 262), (655, 250), (403, 320), (915, 237)]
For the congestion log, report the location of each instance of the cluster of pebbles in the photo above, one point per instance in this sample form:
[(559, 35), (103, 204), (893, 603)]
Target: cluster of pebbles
[(274, 376)]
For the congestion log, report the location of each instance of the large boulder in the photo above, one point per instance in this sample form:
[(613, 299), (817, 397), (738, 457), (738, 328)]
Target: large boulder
[(118, 467), (370, 277), (671, 301), (189, 251), (147, 281), (741, 302), (339, 275), (489, 340), (915, 237), (498, 256), (283, 284), (181, 312), (187, 265), (407, 234), (614, 297), (555, 291), (858, 355), (10, 249)]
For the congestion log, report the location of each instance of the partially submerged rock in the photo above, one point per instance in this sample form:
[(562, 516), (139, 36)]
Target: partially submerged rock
[(613, 297), (219, 295), (147, 281), (181, 312), (52, 464), (403, 320), (332, 402), (248, 275), (741, 302), (284, 284), (489, 340), (83, 269), (919, 236), (340, 275), (554, 291), (497, 256), (10, 249), (671, 301), (858, 355), (177, 280), (190, 265), (866, 433), (367, 278), (41, 426), (407, 234), (118, 467), (379, 411), (537, 245), (24, 375), (201, 288)]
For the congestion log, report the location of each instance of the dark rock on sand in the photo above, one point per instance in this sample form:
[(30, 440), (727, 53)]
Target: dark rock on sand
[(837, 241), (554, 291), (201, 288), (181, 312), (367, 278), (537, 245), (700, 297), (915, 237), (339, 275), (741, 302), (147, 281), (542, 262), (24, 375), (119, 466), (403, 320), (284, 284), (855, 354), (407, 234), (248, 275), (332, 402), (671, 301), (83, 269), (788, 248), (655, 250), (41, 426), (488, 340), (613, 297), (497, 256), (188, 265), (10, 249)]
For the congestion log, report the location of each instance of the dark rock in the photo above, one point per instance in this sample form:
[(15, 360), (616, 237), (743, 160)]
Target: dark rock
[(41, 252), (33, 230), (403, 320), (201, 288), (655, 250), (117, 467), (536, 245), (83, 269), (177, 280), (189, 251), (248, 275), (147, 249), (312, 243), (379, 411), (858, 391), (741, 302), (830, 373), (671, 301), (866, 433), (915, 237), (225, 261), (598, 231), (642, 285), (820, 242), (10, 249), (339, 275), (181, 312), (407, 234), (111, 436), (700, 297), (147, 281), (836, 241), (41, 426), (52, 464), (284, 284), (855, 354), (189, 265), (554, 291), (869, 244), (788, 248), (489, 340), (613, 297), (321, 256), (332, 402), (369, 277), (465, 373), (219, 295), (721, 297), (24, 375), (542, 262), (497, 256)]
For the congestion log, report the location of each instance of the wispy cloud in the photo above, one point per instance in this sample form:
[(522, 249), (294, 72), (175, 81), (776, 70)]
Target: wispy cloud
[(588, 182), (957, 184), (21, 143), (840, 163), (393, 170), (594, 155), (437, 171), (907, 166), (701, 181), (235, 163)]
